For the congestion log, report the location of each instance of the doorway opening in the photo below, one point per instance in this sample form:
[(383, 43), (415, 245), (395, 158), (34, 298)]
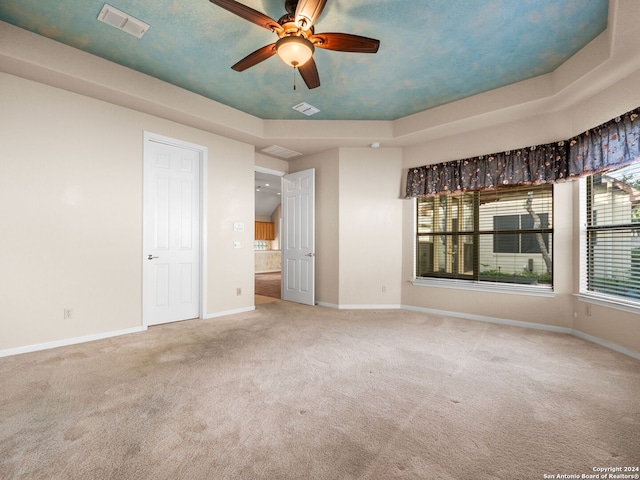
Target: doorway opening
[(268, 221), (268, 287)]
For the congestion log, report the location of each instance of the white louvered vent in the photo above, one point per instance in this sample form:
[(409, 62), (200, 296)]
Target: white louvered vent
[(278, 151), (305, 108), (122, 21)]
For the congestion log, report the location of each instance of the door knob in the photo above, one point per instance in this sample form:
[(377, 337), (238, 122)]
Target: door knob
[(151, 257), (310, 255)]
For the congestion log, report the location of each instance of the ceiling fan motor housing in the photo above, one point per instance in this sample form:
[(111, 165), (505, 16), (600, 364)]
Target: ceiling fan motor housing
[(290, 6)]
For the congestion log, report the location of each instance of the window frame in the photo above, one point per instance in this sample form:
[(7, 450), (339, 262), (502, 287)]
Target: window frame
[(475, 284), (625, 304)]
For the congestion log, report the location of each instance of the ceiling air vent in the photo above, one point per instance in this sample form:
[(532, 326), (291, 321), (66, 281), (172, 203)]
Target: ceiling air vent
[(281, 152), (305, 108), (122, 21)]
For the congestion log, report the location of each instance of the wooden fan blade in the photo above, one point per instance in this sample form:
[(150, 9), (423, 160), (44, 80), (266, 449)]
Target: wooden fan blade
[(256, 57), (309, 73), (249, 14), (345, 42), (308, 11)]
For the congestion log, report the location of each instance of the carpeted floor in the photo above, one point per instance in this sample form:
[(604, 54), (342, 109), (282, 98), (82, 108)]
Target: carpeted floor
[(296, 392)]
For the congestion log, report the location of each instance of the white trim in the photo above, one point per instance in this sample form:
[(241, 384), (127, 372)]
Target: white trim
[(203, 152), (229, 312), (370, 307), (582, 234), (359, 307), (609, 302), (506, 288), (606, 344), (328, 305), (69, 341), (204, 232), (269, 171), (585, 295), (535, 326), (483, 318)]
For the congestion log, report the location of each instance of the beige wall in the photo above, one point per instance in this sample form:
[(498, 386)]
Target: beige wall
[(370, 227), (71, 210)]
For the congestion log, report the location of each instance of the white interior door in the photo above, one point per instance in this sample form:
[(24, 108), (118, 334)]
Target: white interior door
[(172, 259), (298, 237)]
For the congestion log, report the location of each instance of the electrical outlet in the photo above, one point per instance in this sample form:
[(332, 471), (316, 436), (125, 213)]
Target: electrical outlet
[(587, 310), (68, 313), (384, 288), (238, 291)]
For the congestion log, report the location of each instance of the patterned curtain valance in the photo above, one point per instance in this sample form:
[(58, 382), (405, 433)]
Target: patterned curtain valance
[(538, 164), (614, 143)]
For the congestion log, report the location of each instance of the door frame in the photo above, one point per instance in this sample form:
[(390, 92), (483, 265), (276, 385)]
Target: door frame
[(277, 173), (307, 173), (203, 155)]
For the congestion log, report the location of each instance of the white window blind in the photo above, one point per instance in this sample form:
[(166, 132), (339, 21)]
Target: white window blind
[(612, 233)]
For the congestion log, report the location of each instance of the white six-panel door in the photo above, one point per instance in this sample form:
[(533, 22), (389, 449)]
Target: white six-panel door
[(171, 263), (298, 237)]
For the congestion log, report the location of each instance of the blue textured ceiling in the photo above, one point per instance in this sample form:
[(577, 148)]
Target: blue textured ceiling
[(431, 51)]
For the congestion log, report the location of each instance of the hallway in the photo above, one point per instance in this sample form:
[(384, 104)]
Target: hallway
[(267, 287)]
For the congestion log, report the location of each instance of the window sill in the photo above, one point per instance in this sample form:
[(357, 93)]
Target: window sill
[(610, 302), (530, 290)]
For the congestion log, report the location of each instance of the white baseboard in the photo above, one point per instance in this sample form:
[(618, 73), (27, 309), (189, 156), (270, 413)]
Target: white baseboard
[(69, 341), (369, 307), (229, 312), (606, 344), (98, 336), (535, 326), (328, 305), (482, 318), (359, 307)]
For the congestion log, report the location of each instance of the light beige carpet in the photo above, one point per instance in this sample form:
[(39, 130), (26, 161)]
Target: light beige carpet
[(296, 392)]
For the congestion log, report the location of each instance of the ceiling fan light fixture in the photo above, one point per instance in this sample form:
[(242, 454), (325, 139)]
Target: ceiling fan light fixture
[(294, 51)]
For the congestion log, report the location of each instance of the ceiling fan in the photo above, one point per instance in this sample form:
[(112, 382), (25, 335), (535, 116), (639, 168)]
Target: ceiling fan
[(297, 39)]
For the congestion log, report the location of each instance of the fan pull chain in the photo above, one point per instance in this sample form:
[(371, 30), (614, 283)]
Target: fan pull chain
[(294, 77)]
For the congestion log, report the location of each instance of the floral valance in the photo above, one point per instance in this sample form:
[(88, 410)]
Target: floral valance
[(612, 144)]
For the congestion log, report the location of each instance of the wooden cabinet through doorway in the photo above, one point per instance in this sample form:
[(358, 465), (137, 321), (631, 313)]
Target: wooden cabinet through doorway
[(264, 231)]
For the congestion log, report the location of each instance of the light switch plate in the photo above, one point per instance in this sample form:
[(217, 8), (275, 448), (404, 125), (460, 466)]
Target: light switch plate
[(238, 227)]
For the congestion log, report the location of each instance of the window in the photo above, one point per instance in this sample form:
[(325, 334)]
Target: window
[(503, 235), (612, 253), (522, 243)]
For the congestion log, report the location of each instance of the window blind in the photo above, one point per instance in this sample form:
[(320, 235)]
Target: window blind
[(503, 235), (613, 233)]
